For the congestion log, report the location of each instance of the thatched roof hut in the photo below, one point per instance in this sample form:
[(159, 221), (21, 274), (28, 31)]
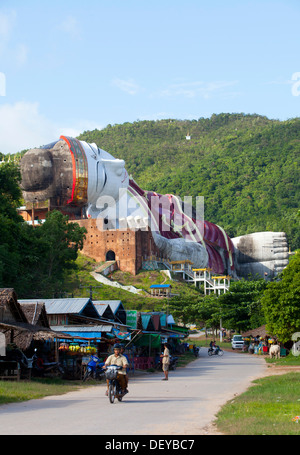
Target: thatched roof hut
[(23, 323), (35, 313), (10, 309), (260, 332)]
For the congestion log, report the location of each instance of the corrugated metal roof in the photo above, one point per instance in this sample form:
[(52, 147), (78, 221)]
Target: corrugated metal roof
[(62, 306), (82, 328), (100, 307), (114, 304)]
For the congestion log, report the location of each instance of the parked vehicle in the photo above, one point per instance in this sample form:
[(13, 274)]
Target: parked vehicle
[(196, 350), (94, 369), (173, 362), (26, 363), (114, 389), (35, 365), (215, 351), (46, 369), (237, 342), (172, 365)]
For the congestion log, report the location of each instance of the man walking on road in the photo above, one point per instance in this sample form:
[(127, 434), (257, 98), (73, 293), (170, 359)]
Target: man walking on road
[(165, 362)]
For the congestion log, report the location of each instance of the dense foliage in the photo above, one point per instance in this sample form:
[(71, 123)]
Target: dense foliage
[(239, 309), (249, 304), (246, 166), (281, 302), (33, 260)]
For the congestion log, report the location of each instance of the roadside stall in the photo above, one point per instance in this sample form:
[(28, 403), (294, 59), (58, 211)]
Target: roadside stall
[(147, 347), (96, 340), (86, 340)]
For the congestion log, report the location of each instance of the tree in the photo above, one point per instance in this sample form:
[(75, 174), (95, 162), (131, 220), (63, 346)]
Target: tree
[(240, 307), (182, 309), (281, 302), (59, 242), (10, 192), (10, 223), (33, 260), (197, 310)]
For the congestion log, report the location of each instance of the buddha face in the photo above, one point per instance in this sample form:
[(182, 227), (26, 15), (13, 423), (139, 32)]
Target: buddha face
[(72, 173)]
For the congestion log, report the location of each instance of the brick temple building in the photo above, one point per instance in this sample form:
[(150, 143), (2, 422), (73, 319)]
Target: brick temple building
[(129, 248)]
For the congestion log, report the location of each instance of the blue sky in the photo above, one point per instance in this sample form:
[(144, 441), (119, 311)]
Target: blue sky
[(69, 66)]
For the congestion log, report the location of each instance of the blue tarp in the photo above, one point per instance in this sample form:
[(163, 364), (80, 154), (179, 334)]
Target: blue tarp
[(84, 334), (158, 286)]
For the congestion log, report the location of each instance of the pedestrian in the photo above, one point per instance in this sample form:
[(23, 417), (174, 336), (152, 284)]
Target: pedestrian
[(166, 362)]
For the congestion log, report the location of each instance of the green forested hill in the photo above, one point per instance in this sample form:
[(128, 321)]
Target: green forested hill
[(246, 166)]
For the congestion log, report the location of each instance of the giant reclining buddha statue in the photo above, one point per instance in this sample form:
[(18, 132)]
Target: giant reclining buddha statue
[(85, 181)]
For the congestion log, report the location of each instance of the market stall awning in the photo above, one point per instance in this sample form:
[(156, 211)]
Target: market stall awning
[(179, 329), (89, 331), (149, 339), (169, 333)]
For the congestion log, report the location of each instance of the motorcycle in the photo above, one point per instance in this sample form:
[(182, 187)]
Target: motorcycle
[(212, 351), (172, 364), (48, 369), (94, 369), (196, 350), (26, 363), (114, 389), (35, 366)]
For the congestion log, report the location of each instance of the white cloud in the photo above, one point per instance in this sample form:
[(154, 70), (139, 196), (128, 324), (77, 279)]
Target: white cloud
[(7, 23), (128, 86), (22, 126), (196, 89), (18, 52), (21, 54), (71, 26)]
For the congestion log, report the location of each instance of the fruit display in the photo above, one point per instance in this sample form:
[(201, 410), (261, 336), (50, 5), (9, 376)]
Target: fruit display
[(74, 348)]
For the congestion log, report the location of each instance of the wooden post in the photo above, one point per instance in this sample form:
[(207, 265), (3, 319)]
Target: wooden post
[(32, 214)]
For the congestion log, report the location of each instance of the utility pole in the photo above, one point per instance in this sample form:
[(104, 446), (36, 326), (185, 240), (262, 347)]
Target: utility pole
[(91, 289)]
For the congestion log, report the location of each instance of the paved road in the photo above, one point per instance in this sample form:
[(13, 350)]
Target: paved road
[(184, 405)]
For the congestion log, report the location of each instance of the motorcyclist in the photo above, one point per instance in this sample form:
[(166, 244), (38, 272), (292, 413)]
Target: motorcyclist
[(118, 359), (214, 346), (127, 369)]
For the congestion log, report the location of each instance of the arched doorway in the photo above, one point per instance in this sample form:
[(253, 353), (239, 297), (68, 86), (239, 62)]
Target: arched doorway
[(110, 256)]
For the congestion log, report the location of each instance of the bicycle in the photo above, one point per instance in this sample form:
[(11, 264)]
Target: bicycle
[(114, 389)]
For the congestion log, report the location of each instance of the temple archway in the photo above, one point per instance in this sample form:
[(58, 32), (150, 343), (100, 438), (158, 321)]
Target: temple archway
[(110, 256)]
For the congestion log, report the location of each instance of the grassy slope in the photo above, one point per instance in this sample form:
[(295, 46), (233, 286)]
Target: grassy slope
[(81, 276)]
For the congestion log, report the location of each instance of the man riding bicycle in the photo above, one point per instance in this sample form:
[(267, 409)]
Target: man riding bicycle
[(118, 359)]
